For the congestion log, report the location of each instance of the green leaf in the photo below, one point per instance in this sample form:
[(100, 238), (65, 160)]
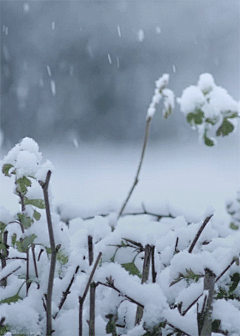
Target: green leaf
[(5, 169), (39, 203), (233, 226), (231, 114), (225, 128), (132, 269), (24, 220), (2, 226), (11, 299), (23, 244), (14, 239), (62, 258), (36, 215), (4, 329), (235, 281), (209, 142), (216, 325), (196, 117), (22, 184)]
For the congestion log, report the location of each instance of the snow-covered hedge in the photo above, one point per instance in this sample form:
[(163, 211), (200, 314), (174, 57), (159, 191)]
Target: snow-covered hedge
[(149, 272)]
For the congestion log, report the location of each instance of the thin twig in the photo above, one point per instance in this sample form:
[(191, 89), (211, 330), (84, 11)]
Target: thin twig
[(154, 273), (184, 332), (91, 276), (34, 260), (2, 320), (65, 294), (81, 299), (6, 276), (135, 182), (54, 251), (27, 272), (39, 254), (226, 269), (207, 219), (117, 290), (145, 274), (92, 291), (4, 255)]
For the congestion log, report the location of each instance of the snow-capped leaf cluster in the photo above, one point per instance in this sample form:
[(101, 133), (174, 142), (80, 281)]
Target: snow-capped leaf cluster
[(209, 108)]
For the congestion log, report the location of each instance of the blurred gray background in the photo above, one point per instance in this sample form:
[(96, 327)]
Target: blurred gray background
[(85, 70)]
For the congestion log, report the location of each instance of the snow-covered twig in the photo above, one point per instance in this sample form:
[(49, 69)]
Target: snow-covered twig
[(207, 219), (6, 276), (65, 294), (145, 274), (81, 299), (111, 285), (205, 317), (183, 332), (225, 270)]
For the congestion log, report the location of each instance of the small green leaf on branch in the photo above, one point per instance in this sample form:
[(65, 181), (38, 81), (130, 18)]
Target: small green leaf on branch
[(24, 220), (11, 299), (22, 184), (195, 117), (39, 203), (36, 215), (5, 169), (226, 128), (23, 244), (132, 269)]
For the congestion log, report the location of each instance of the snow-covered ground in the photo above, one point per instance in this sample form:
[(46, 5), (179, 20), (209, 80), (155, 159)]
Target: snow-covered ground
[(97, 178)]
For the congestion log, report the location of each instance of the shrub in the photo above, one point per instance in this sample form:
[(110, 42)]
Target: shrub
[(145, 273)]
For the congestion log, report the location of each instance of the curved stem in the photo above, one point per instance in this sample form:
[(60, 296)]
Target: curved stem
[(135, 182)]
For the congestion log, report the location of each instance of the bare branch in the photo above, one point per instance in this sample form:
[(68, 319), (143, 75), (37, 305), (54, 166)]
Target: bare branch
[(65, 294), (54, 251), (135, 182), (81, 299), (117, 290), (6, 276), (207, 219)]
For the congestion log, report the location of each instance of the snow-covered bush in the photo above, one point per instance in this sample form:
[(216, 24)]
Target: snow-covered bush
[(151, 272)]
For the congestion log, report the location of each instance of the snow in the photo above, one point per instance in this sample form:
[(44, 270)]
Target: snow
[(206, 82), (49, 71), (160, 92), (109, 59), (191, 99), (119, 31), (53, 87), (26, 7), (228, 314), (141, 35)]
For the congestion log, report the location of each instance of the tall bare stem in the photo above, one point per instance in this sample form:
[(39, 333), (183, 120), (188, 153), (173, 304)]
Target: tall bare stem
[(54, 251), (135, 182)]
